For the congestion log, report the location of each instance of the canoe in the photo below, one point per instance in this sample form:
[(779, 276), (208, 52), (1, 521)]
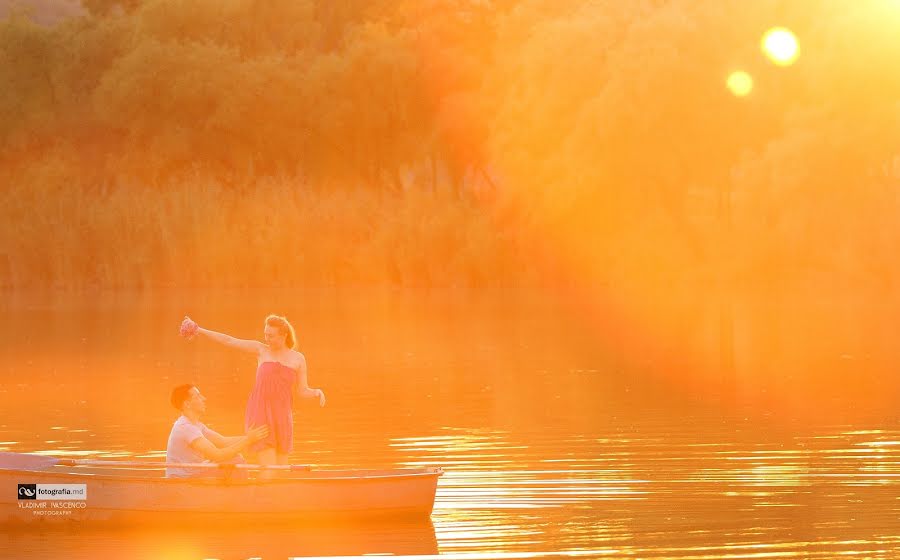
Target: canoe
[(134, 494)]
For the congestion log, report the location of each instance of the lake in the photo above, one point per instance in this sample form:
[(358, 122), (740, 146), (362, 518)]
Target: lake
[(564, 429)]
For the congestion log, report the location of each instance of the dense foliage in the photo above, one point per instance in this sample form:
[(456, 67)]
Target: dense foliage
[(448, 142)]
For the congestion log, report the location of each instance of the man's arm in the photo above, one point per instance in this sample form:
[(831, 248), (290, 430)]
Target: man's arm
[(206, 448), (219, 440)]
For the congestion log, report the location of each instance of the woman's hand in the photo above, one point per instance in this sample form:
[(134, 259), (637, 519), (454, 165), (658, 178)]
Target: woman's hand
[(188, 328), (321, 397)]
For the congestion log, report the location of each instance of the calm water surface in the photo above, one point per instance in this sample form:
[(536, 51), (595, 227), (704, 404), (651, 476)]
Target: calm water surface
[(555, 442)]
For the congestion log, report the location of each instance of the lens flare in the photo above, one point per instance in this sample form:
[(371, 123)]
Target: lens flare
[(739, 83), (780, 46)]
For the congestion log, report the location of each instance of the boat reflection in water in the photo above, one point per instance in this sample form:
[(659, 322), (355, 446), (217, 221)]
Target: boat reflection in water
[(194, 543)]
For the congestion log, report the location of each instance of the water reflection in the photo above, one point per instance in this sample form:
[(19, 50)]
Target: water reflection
[(811, 494), (193, 544)]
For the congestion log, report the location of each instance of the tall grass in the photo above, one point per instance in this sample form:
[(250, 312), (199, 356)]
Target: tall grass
[(196, 233)]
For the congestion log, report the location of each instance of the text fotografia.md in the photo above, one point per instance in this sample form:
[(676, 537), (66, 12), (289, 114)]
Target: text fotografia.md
[(59, 492), (51, 491)]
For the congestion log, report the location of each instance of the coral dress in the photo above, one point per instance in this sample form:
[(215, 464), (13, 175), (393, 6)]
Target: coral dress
[(271, 403)]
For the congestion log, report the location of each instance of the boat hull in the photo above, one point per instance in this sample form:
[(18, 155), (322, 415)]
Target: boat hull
[(142, 500)]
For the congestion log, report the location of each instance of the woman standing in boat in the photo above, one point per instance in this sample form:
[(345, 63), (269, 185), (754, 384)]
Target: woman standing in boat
[(280, 372)]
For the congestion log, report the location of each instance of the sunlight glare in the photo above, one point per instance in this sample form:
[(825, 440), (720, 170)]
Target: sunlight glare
[(780, 45), (739, 83)]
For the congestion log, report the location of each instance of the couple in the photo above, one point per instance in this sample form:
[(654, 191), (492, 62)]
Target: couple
[(280, 372)]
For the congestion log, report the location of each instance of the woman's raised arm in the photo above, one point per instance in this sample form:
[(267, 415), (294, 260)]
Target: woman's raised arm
[(189, 328)]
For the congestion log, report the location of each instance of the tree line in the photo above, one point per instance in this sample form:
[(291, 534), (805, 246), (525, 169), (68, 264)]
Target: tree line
[(474, 142)]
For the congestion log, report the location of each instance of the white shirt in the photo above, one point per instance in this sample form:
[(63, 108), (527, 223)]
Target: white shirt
[(179, 449)]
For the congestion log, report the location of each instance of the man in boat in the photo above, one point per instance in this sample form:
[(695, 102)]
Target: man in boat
[(192, 442)]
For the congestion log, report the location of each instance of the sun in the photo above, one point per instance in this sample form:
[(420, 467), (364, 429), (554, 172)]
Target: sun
[(780, 45), (739, 83)]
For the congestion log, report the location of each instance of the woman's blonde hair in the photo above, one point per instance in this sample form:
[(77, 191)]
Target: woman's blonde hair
[(285, 327)]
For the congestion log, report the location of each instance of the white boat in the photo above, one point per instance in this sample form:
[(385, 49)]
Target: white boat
[(137, 493)]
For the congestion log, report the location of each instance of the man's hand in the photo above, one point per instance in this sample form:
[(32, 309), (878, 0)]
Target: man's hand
[(321, 397), (258, 433)]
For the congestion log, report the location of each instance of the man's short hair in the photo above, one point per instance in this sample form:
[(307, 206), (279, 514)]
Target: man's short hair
[(181, 394)]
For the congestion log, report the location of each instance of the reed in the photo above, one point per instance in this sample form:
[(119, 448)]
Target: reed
[(276, 232)]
